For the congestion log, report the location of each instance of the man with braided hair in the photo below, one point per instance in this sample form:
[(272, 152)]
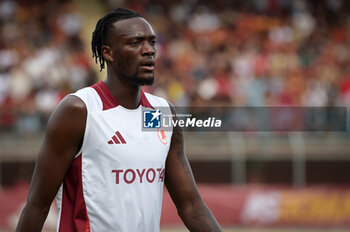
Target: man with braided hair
[(107, 174)]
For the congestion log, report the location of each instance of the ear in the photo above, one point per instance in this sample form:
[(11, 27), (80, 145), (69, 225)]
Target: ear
[(107, 53)]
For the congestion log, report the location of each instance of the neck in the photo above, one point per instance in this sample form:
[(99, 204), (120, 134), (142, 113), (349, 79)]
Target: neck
[(127, 95)]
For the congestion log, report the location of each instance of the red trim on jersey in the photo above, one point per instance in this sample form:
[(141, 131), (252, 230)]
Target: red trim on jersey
[(74, 216), (109, 101), (144, 100)]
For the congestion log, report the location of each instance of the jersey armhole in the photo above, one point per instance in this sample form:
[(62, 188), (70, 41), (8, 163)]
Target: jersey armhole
[(86, 126)]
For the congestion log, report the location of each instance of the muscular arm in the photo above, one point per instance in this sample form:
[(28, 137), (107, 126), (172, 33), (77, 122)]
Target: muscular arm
[(63, 138), (183, 191)]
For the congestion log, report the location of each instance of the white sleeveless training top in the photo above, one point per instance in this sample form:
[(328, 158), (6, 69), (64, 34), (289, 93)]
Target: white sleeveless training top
[(115, 182)]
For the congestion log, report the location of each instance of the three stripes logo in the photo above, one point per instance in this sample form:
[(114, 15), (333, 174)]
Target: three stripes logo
[(117, 139)]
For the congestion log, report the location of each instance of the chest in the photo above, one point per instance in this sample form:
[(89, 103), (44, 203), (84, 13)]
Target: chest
[(116, 136)]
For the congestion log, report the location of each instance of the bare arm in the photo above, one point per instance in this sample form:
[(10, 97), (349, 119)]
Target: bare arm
[(183, 190), (63, 138)]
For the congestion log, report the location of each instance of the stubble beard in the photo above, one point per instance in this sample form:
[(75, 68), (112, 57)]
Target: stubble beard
[(142, 81), (136, 80)]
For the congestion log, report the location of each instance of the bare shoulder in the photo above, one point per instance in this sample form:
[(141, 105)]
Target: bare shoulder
[(71, 103), (67, 122), (70, 108)]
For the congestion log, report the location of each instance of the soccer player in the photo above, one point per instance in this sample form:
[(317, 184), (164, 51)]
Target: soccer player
[(106, 173)]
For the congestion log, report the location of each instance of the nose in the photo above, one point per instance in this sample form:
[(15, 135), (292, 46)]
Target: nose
[(148, 49)]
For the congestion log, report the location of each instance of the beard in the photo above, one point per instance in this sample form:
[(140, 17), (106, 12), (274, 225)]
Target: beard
[(136, 80), (142, 81)]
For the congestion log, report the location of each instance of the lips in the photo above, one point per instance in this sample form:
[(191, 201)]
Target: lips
[(147, 65), (148, 68)]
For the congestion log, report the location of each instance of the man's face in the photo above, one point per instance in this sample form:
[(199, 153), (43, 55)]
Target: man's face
[(133, 45)]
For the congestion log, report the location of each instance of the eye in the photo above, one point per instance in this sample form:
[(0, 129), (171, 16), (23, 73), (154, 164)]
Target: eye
[(135, 43), (153, 42)]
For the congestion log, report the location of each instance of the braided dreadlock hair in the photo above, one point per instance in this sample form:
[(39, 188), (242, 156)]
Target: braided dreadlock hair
[(103, 27)]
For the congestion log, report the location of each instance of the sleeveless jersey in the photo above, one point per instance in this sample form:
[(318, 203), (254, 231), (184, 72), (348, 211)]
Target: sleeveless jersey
[(115, 182)]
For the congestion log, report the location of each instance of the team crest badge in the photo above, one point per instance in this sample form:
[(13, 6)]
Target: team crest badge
[(162, 135)]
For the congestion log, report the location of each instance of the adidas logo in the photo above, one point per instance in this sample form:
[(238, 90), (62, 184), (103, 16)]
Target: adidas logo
[(116, 140)]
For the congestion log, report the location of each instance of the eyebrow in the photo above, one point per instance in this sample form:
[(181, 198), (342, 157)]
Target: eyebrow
[(140, 37)]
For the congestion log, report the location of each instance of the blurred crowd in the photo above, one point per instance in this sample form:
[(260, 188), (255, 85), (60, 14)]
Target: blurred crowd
[(42, 58), (222, 52), (252, 53)]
